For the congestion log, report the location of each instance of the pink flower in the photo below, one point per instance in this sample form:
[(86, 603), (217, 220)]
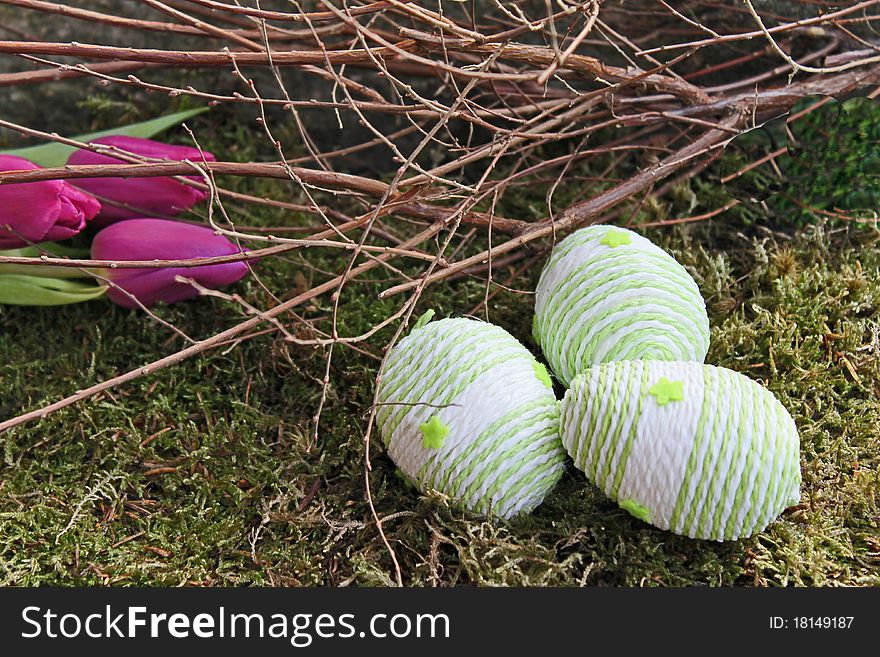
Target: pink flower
[(160, 239), (160, 195), (44, 211)]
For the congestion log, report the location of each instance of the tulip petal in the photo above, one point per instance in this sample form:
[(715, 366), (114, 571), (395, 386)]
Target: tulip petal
[(158, 239), (159, 285), (143, 196), (40, 211)]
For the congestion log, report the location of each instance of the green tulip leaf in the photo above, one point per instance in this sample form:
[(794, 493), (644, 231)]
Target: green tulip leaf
[(57, 250), (21, 290), (54, 154), (51, 249)]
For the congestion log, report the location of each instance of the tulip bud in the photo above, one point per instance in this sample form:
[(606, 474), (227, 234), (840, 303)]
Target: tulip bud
[(159, 195), (42, 211), (159, 239)]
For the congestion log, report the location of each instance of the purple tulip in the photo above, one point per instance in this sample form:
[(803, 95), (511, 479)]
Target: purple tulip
[(160, 195), (160, 239), (44, 211)]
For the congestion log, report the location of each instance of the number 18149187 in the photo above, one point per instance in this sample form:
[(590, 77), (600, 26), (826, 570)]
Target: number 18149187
[(822, 622), (812, 622)]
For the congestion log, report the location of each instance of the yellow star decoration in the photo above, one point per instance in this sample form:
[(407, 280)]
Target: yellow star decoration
[(433, 433), (666, 391), (615, 238)]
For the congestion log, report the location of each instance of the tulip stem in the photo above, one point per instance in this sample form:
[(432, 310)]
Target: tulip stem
[(45, 271), (41, 253)]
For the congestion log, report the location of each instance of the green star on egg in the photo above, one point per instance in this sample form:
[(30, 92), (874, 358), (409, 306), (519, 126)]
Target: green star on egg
[(542, 374), (433, 433), (666, 391), (636, 509), (615, 238)]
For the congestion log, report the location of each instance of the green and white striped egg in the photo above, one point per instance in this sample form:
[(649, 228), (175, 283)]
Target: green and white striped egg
[(699, 450), (609, 294), (466, 410)]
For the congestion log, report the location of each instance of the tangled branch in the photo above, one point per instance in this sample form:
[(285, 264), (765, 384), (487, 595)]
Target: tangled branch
[(468, 101)]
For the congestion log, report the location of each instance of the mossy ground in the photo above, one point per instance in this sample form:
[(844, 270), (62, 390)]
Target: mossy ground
[(210, 472)]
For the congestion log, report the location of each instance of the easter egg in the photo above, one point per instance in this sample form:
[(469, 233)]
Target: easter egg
[(609, 294), (700, 450), (466, 410)]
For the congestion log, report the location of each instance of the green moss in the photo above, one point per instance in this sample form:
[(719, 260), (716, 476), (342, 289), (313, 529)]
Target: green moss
[(826, 162), (214, 472)]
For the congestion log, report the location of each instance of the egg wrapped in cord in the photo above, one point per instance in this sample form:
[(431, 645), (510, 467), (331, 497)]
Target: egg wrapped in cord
[(609, 294), (699, 450), (466, 410)]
